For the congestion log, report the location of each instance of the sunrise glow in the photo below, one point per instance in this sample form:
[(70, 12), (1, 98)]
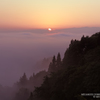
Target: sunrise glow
[(42, 14), (49, 29)]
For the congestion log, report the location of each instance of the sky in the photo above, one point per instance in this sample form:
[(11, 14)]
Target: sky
[(24, 36), (42, 14)]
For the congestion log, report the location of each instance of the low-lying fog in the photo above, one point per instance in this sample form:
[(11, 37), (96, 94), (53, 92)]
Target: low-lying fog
[(23, 51)]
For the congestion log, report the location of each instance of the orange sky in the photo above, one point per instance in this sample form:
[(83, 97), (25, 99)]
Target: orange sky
[(30, 14)]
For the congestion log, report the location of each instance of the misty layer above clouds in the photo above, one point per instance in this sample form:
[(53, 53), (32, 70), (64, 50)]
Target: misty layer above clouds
[(24, 50)]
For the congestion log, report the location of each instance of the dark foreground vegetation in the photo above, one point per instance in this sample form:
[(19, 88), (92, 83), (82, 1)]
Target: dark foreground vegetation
[(77, 73)]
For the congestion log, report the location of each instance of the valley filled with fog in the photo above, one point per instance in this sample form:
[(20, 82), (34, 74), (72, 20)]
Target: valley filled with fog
[(23, 51)]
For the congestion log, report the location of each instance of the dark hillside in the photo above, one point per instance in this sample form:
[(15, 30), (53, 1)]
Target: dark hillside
[(79, 72)]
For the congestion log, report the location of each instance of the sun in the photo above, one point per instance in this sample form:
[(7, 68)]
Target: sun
[(49, 29)]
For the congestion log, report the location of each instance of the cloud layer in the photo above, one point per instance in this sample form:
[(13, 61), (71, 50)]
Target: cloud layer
[(21, 49)]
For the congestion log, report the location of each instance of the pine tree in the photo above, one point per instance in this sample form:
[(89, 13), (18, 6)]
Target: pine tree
[(58, 61), (52, 66), (23, 80)]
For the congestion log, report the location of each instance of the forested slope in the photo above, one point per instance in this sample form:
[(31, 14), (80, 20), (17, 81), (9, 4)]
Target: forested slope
[(78, 72)]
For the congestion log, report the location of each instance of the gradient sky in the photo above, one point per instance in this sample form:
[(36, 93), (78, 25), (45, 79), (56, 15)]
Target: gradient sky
[(49, 13)]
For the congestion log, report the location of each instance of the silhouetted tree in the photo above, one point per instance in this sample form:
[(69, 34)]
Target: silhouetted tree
[(76, 77), (52, 66), (58, 61), (23, 80)]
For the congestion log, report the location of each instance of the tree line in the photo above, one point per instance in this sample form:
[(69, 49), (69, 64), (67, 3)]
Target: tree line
[(78, 72)]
